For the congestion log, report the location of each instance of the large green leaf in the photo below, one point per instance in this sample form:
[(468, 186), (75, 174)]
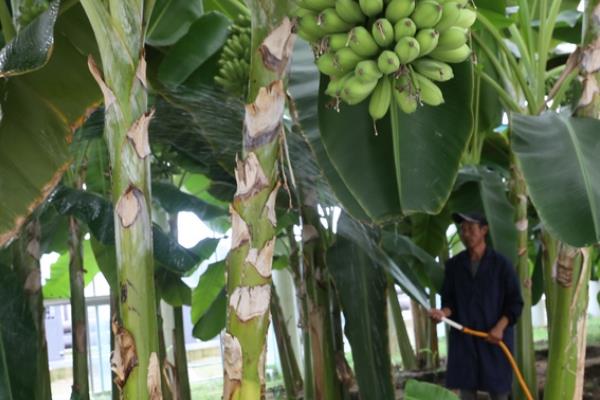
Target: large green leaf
[(18, 335), (172, 289), (304, 88), (483, 190), (204, 38), (213, 321), (416, 390), (406, 253), (106, 258), (211, 282), (5, 390), (174, 200), (58, 286), (429, 231), (209, 301), (361, 285), (559, 158), (363, 237), (363, 160), (30, 49), (230, 8), (39, 112), (97, 213), (171, 19), (429, 143)]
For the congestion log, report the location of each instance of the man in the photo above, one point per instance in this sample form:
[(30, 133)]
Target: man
[(480, 291)]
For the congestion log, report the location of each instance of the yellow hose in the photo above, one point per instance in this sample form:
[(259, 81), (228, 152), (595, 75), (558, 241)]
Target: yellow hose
[(508, 355)]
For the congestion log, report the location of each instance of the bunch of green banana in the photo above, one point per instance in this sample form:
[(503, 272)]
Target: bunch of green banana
[(234, 63), (387, 49)]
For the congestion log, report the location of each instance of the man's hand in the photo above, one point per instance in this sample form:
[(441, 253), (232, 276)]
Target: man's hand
[(437, 314), (496, 334)]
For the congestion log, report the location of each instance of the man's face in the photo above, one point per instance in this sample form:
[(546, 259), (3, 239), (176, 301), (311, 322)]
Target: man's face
[(472, 234)]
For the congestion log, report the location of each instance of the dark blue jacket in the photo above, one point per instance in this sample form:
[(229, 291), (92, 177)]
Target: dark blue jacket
[(479, 302)]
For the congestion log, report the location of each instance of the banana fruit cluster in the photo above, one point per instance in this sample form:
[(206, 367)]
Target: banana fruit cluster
[(387, 48), (234, 63)]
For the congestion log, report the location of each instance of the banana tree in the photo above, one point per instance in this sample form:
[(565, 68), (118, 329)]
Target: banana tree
[(120, 29), (253, 207), (567, 290)]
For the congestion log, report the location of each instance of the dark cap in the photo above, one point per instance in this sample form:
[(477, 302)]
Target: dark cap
[(469, 217)]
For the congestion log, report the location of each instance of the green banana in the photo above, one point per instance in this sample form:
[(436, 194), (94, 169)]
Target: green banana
[(380, 99), (404, 27), (429, 92), (452, 38), (349, 11), (335, 41), (367, 70), (450, 13), (316, 5), (427, 13), (326, 64), (383, 32), (466, 18), (428, 40), (407, 49), (398, 9), (335, 85), (371, 7), (345, 59), (355, 90), (330, 22), (388, 62), (405, 100), (433, 69), (362, 43), (457, 55), (308, 27)]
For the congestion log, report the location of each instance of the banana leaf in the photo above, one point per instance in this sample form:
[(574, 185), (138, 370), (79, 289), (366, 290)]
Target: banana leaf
[(303, 88), (361, 285), (170, 20), (429, 143), (58, 286), (30, 49), (172, 289), (5, 390), (97, 213), (18, 335), (416, 390), (481, 189), (203, 39), (40, 110), (209, 302), (558, 156)]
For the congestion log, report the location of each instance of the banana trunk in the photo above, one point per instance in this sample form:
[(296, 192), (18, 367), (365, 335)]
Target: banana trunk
[(524, 350), (253, 207), (80, 386), (119, 28), (27, 265)]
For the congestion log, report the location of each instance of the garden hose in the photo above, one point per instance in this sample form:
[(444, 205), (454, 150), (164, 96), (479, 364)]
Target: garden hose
[(502, 345)]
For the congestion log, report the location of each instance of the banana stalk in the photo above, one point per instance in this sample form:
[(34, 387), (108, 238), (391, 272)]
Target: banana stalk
[(78, 313), (524, 350), (119, 28), (27, 265), (566, 357), (253, 207)]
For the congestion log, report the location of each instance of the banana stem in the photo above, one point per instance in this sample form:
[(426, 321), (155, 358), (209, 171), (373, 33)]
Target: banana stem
[(511, 60), (506, 98)]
